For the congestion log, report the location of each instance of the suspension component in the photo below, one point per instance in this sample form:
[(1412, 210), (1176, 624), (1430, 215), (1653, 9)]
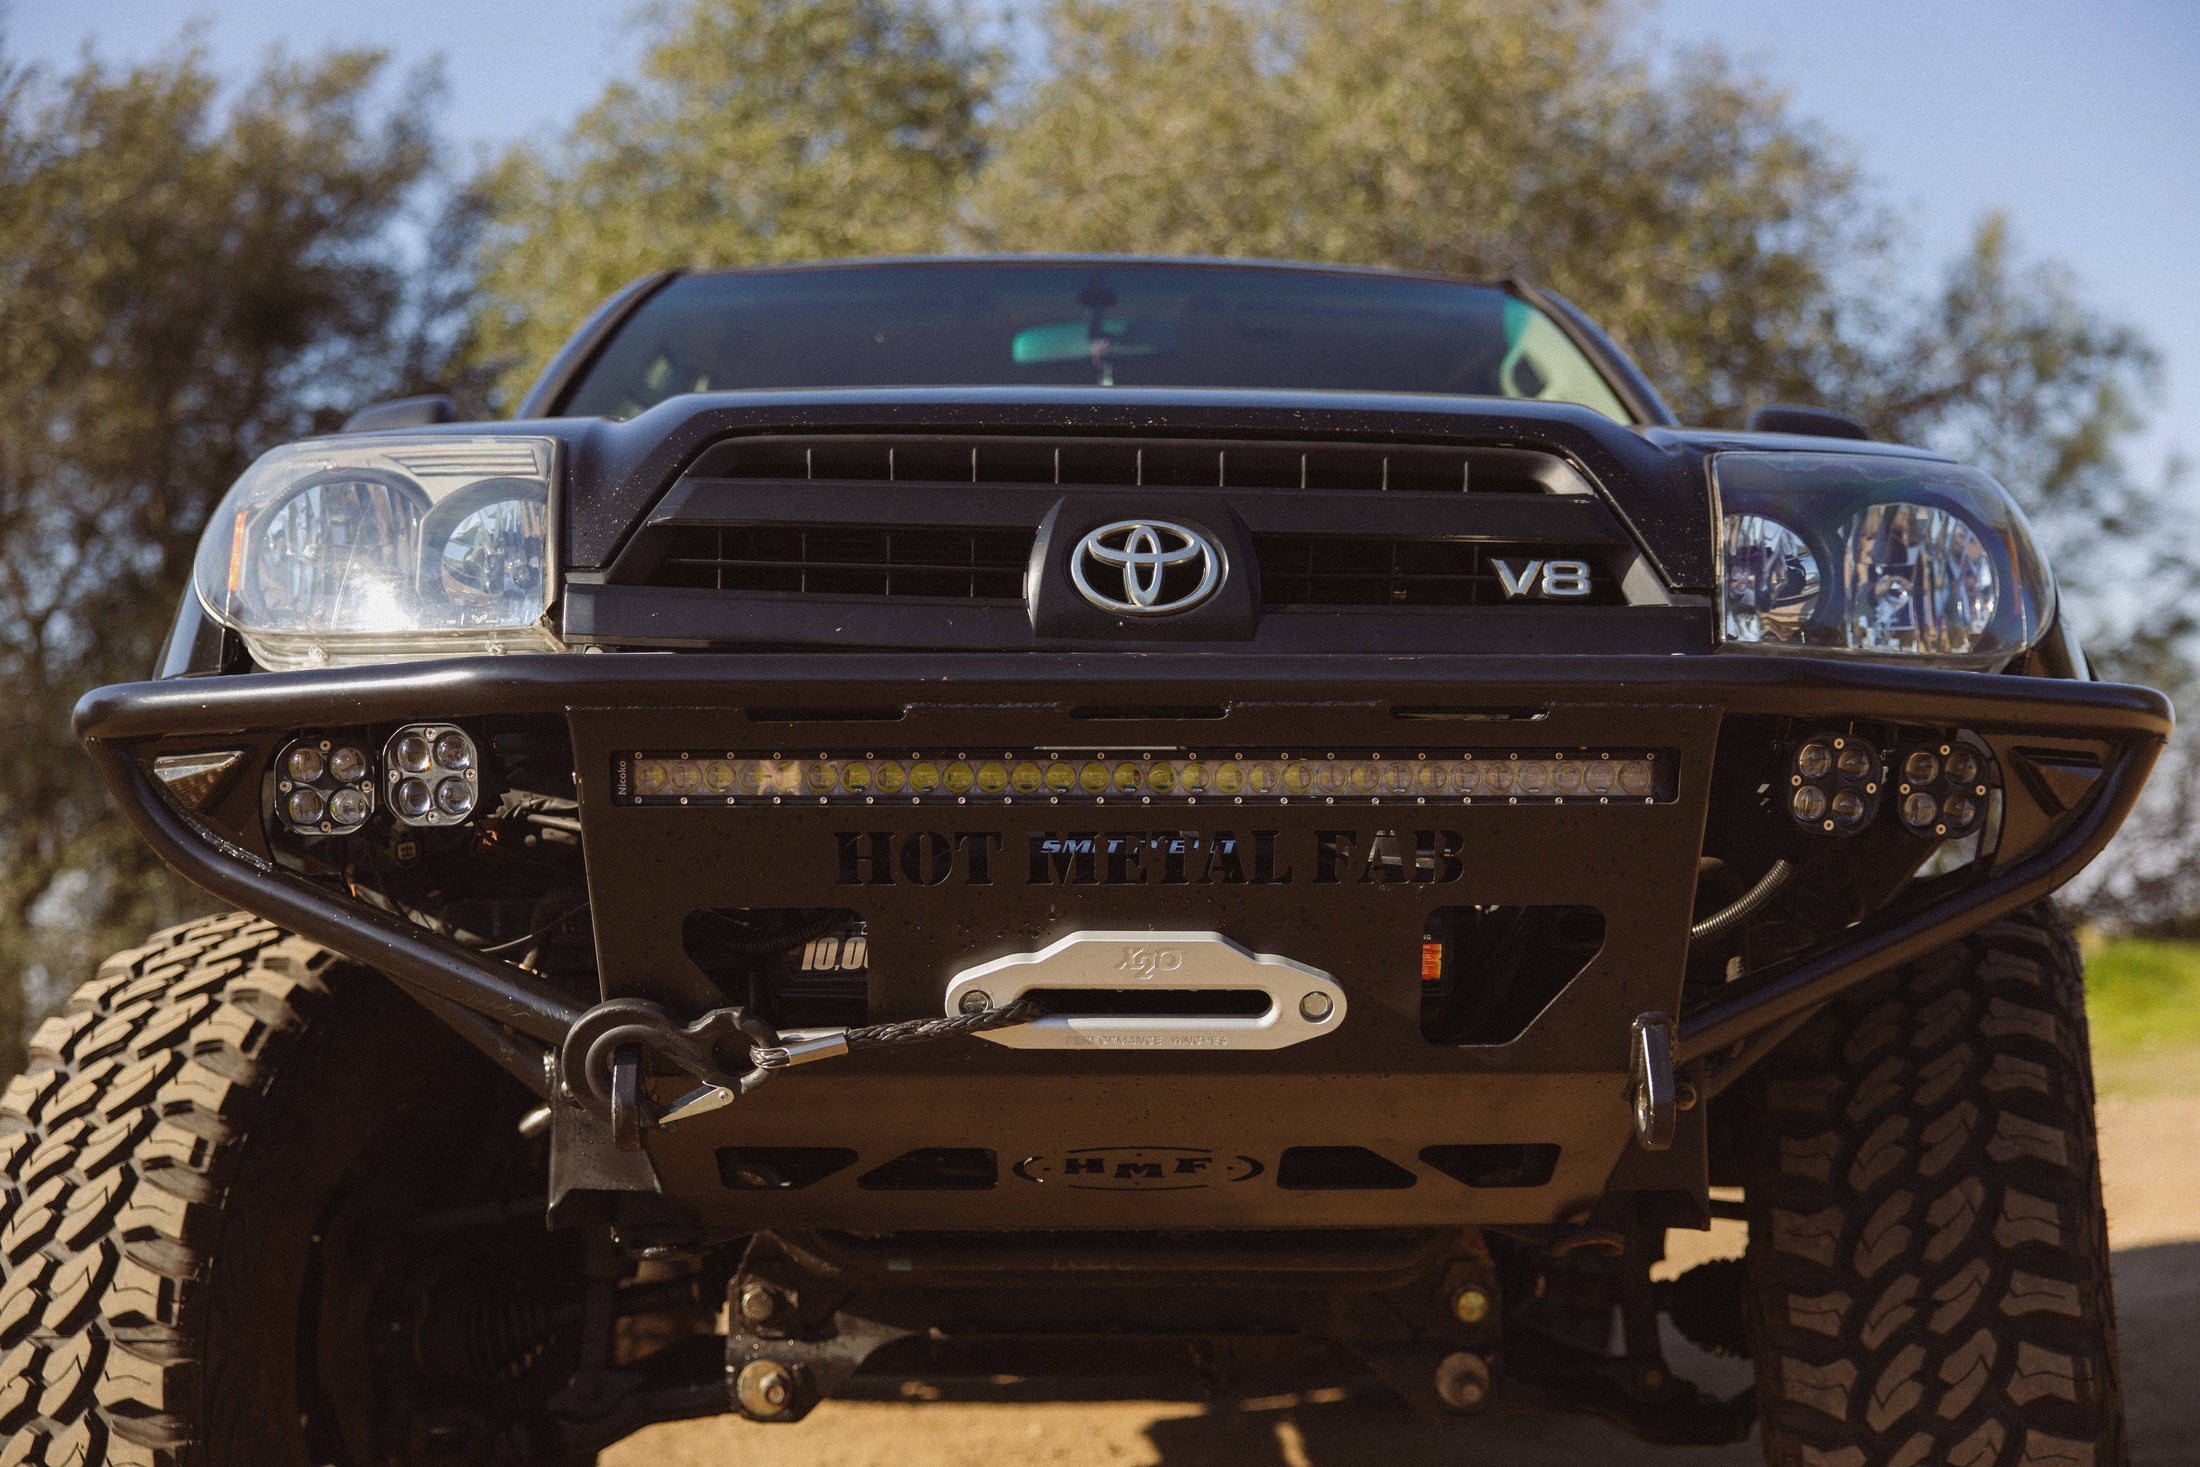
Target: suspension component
[(1655, 1092)]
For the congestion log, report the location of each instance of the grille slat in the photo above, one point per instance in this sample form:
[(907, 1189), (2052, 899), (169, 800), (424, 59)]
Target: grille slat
[(954, 516), (1170, 463), (988, 565), (841, 560)]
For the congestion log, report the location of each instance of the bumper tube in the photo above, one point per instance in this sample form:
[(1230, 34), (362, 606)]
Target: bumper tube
[(555, 683), (110, 721), (411, 956), (1789, 989)]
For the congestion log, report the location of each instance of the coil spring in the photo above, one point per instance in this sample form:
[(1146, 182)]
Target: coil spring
[(489, 1338)]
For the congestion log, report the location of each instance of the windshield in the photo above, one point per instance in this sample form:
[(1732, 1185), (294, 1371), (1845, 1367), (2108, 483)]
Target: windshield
[(1107, 324)]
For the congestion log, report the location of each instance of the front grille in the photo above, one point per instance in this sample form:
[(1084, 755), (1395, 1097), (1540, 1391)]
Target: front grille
[(848, 560), (1120, 462), (1361, 570)]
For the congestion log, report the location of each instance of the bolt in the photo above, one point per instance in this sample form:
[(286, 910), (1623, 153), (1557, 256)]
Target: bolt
[(1463, 1381), (758, 1302), (764, 1389), (1316, 1006), (1470, 1306), (975, 1001)]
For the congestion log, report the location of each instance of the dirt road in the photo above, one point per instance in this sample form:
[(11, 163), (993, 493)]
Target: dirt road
[(2151, 1157)]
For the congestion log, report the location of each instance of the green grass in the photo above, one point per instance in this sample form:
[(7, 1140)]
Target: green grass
[(2142, 997)]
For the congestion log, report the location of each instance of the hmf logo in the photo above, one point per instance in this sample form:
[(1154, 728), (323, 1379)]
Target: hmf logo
[(1150, 858), (1138, 1168)]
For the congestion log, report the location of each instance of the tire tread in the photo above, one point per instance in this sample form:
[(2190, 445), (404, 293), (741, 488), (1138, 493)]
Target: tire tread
[(119, 1138), (1934, 1281)]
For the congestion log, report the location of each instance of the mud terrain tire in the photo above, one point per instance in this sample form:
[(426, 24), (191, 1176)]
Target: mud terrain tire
[(171, 1160), (1929, 1264)]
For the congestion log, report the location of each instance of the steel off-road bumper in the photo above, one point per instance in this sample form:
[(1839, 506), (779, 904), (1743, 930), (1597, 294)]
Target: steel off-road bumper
[(1142, 1138)]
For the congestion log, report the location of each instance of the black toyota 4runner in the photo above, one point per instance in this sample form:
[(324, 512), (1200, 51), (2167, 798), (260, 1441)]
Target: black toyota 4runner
[(941, 820)]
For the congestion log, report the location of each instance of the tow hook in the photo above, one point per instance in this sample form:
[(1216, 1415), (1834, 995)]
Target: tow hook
[(1655, 1091), (608, 1048)]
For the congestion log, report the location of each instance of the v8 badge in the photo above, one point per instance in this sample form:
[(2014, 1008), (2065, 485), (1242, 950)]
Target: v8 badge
[(1544, 580)]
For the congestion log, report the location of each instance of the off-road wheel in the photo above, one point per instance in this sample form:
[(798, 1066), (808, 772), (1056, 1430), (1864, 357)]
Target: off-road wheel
[(1928, 1257), (260, 1211)]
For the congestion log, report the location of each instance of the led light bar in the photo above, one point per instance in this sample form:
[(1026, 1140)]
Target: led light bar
[(1544, 777)]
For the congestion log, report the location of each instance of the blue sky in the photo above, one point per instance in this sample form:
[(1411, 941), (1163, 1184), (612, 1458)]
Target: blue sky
[(2081, 119)]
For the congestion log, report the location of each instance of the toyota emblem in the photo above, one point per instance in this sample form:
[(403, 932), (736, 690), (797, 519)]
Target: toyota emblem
[(1145, 567)]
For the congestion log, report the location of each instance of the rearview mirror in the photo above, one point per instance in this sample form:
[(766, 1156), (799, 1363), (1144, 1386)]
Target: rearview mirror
[(1072, 341)]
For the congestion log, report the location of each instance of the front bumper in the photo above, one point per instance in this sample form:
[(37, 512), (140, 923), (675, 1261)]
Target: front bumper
[(1376, 1083)]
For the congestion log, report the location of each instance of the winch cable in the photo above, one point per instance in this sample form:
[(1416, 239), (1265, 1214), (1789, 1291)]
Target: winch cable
[(689, 1050), (805, 1045)]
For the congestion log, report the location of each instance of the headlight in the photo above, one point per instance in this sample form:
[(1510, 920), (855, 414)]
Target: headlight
[(384, 548), (1875, 555)]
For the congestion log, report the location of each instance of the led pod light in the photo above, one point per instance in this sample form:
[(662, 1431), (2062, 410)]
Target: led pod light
[(1875, 555), (382, 547), (323, 786), (1834, 783), (1509, 777), (432, 774), (1943, 789)]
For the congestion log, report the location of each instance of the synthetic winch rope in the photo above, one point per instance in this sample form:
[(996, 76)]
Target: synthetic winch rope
[(907, 1031)]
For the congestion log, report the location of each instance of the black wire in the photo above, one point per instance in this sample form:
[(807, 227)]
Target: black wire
[(540, 932), (763, 943)]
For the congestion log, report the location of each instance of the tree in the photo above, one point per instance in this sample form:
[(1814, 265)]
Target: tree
[(1695, 218), (759, 131), (183, 284)]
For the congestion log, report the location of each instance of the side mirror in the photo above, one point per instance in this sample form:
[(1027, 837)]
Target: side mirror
[(1817, 422), (402, 412)]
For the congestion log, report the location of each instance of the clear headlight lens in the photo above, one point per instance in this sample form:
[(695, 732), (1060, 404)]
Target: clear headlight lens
[(1771, 580), (335, 551), (1875, 555), (1917, 579)]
